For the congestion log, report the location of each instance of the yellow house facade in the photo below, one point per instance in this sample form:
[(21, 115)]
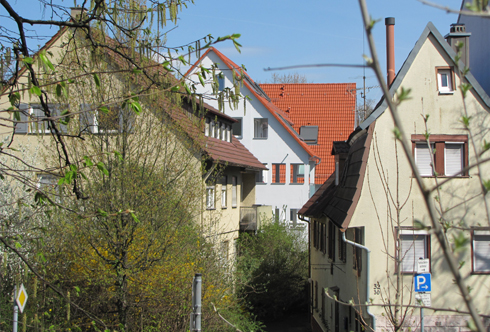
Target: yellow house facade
[(369, 224)]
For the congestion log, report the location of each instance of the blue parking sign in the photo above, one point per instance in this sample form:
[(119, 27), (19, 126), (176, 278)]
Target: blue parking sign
[(422, 282)]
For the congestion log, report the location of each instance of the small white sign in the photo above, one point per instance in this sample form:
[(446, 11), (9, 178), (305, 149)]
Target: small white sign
[(423, 299), (423, 265), (21, 298)]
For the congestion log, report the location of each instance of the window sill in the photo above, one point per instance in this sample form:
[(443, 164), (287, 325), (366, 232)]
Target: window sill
[(210, 209), (260, 183), (484, 273), (444, 177), (296, 183), (446, 92), (224, 207), (278, 184), (260, 138), (233, 207)]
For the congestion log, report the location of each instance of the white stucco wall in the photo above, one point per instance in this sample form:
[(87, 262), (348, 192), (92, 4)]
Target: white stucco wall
[(278, 147)]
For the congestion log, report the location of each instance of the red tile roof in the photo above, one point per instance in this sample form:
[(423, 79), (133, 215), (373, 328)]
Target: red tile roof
[(331, 107), (280, 115)]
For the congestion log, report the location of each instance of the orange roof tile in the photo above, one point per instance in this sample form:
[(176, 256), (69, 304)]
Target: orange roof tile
[(331, 107)]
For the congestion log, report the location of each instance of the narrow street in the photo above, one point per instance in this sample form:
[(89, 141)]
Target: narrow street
[(291, 323)]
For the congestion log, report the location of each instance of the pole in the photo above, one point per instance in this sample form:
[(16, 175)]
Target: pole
[(16, 311), (421, 319), (196, 303)]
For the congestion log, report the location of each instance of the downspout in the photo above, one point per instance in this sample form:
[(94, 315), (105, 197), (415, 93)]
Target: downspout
[(368, 252), (309, 255)]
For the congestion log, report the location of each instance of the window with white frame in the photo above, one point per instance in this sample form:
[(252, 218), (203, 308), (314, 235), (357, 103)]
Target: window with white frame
[(224, 197), (445, 80), (423, 159), (413, 245), (481, 250), (237, 127), (211, 128), (262, 176), (34, 120), (234, 191), (261, 126), (228, 133), (210, 197), (450, 154), (110, 119), (48, 184), (206, 128), (293, 216)]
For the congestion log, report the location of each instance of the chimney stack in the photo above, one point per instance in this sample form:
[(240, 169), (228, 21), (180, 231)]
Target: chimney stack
[(457, 34), (390, 49)]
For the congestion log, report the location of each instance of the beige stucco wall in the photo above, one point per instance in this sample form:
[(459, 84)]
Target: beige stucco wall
[(376, 210)]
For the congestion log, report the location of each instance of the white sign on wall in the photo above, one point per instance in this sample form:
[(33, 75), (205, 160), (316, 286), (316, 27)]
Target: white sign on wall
[(423, 265)]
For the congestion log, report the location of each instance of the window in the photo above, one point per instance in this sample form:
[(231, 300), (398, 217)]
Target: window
[(358, 238), (33, 119), (210, 197), (217, 129), (309, 134), (445, 80), (297, 173), (236, 127), (206, 128), (293, 216), (331, 240), (314, 235), (115, 120), (413, 245), (234, 191), (481, 250), (262, 176), (223, 132), (228, 133), (224, 197), (342, 248), (211, 128), (260, 128), (48, 183), (323, 238), (450, 154), (221, 81), (278, 173)]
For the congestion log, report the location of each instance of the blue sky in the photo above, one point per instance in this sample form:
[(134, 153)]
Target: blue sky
[(283, 33)]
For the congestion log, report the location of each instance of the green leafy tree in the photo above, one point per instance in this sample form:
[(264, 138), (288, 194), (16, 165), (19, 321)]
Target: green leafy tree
[(272, 270)]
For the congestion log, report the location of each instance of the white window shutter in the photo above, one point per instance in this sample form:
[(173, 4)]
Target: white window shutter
[(453, 158), (423, 160), (481, 251), (23, 126), (412, 248)]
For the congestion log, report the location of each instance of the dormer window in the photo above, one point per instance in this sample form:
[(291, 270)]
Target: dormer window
[(309, 134), (445, 80)]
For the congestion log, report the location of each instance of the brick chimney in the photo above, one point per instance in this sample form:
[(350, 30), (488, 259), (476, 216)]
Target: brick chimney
[(390, 49), (457, 33)]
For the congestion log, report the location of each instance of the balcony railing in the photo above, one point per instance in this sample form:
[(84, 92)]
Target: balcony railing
[(251, 216)]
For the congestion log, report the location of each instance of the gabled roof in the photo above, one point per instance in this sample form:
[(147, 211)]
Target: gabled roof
[(281, 116), (430, 29), (338, 203), (331, 107)]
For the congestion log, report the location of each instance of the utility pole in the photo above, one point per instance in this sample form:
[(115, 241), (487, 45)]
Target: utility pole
[(196, 303)]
